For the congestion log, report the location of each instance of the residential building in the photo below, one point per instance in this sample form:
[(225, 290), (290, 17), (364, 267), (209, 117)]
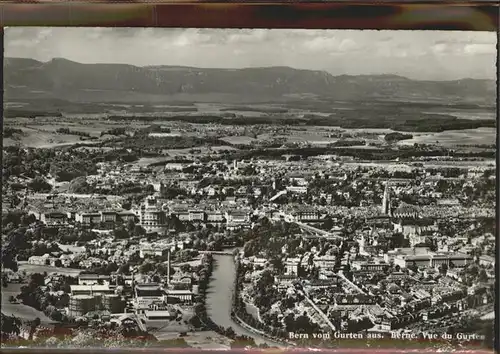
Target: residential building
[(91, 289), (214, 217), (237, 217), (54, 218), (196, 215), (292, 266), (487, 261), (146, 294), (325, 262), (94, 279), (88, 218), (179, 296), (159, 315), (151, 252)]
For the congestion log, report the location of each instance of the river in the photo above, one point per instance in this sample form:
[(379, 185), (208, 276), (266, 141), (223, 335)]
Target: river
[(219, 298)]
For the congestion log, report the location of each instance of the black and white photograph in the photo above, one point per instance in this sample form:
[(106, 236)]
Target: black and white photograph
[(248, 188)]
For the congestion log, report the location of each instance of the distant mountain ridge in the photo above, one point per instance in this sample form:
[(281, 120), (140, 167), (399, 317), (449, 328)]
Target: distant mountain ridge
[(62, 78)]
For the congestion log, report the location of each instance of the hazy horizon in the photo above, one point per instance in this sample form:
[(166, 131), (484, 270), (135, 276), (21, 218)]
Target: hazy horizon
[(243, 68), (416, 55)]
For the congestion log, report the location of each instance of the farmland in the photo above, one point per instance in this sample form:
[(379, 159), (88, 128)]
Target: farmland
[(454, 138)]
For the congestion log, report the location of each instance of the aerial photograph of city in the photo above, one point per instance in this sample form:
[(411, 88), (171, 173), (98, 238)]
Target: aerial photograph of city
[(248, 188)]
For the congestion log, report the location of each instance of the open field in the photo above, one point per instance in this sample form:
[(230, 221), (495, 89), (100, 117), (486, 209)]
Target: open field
[(71, 248), (239, 140), (42, 133), (467, 115), (200, 151), (36, 138), (45, 136), (19, 310), (487, 163), (33, 268), (146, 161), (309, 137), (453, 138)]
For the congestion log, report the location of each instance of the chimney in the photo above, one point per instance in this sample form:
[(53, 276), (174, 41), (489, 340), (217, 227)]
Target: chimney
[(133, 283), (168, 268)]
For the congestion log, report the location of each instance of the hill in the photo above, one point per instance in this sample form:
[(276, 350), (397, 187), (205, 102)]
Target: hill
[(68, 80)]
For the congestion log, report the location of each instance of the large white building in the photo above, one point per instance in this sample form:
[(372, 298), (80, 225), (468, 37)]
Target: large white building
[(292, 266), (147, 294), (151, 216)]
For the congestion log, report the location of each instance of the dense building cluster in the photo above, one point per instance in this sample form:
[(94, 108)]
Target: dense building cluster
[(323, 243)]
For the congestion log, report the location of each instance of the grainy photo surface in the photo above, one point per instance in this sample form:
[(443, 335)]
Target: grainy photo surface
[(216, 188)]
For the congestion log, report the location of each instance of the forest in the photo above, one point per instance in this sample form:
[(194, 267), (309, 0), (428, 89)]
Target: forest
[(360, 118)]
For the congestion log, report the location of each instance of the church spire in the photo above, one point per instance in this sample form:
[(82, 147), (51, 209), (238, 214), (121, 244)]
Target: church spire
[(386, 200)]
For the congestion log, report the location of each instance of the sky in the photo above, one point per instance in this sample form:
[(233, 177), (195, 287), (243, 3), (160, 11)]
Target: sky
[(425, 55)]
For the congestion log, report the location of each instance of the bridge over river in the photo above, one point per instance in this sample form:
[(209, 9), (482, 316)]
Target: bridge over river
[(219, 297)]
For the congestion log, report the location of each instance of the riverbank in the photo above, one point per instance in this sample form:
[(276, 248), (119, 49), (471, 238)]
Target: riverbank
[(281, 343), (220, 297), (234, 310)]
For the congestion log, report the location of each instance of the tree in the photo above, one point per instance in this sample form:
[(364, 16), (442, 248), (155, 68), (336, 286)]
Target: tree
[(289, 321), (413, 267), (79, 185), (130, 225), (121, 233), (39, 185), (9, 259), (250, 248), (36, 322), (27, 219), (196, 322), (443, 268), (483, 276), (398, 240), (139, 230), (124, 269), (303, 324), (146, 268), (278, 265), (9, 325), (328, 223), (37, 280), (472, 270)]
